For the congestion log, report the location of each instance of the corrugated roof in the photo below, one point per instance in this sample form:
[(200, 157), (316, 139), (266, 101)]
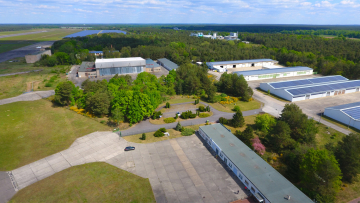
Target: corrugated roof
[(267, 180), (151, 64), (322, 88), (344, 106), (120, 62), (240, 61), (169, 64), (307, 82), (87, 66), (272, 71)]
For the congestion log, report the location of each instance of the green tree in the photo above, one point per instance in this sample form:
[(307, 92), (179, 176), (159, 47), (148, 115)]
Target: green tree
[(178, 127), (246, 136), (117, 115), (98, 103), (64, 93), (348, 154), (238, 120), (280, 138), (264, 122), (321, 174), (143, 136)]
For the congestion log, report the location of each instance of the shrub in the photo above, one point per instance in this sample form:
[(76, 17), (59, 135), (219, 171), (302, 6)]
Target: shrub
[(176, 116), (187, 132), (223, 95), (169, 120), (258, 146), (143, 136), (187, 114), (204, 115), (207, 108), (223, 120), (202, 109), (236, 108), (156, 114), (167, 105), (178, 127), (103, 122), (48, 84), (160, 132)]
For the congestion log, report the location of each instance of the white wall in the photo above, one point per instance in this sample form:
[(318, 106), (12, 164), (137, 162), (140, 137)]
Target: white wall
[(278, 75), (341, 117)]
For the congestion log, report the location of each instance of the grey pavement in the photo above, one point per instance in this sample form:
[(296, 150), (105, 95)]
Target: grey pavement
[(21, 52), (18, 73), (94, 147), (19, 34), (181, 170), (31, 96), (7, 190)]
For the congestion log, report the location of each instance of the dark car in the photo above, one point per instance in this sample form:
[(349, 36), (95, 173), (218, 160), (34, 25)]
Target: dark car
[(129, 148)]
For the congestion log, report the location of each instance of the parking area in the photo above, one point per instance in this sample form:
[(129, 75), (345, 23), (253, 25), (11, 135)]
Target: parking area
[(181, 170)]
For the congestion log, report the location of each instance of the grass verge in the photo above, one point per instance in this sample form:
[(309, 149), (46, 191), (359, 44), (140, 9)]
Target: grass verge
[(244, 106), (341, 125), (33, 130), (93, 182)]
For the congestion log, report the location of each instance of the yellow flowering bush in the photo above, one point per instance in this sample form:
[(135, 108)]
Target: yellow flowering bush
[(82, 112), (228, 100)]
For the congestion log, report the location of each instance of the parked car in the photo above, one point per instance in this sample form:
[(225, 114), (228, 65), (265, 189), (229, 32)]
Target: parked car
[(178, 113), (129, 148)]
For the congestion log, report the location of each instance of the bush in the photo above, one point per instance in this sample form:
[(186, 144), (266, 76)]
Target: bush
[(207, 108), (223, 120), (223, 95), (202, 109), (187, 114), (204, 115), (176, 116), (236, 108), (160, 132), (48, 84), (169, 120), (143, 136), (156, 115), (167, 105), (178, 127), (103, 122), (187, 132)]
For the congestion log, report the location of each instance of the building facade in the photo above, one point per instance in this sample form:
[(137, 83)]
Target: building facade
[(167, 64), (151, 66), (265, 183), (32, 58), (87, 70), (348, 114), (113, 66), (263, 74), (222, 66)]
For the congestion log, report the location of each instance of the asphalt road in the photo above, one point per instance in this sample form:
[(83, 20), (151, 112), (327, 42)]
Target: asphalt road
[(21, 52), (19, 34), (17, 73)]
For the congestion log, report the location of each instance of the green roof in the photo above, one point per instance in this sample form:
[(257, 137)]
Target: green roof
[(87, 67), (264, 177)]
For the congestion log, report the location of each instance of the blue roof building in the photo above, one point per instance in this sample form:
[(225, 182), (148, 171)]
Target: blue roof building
[(348, 114)]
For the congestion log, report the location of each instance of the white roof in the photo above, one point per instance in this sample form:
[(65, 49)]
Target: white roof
[(120, 62)]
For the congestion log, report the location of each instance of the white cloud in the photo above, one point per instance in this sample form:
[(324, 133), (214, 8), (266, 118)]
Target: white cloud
[(46, 6), (81, 10), (324, 4), (305, 3)]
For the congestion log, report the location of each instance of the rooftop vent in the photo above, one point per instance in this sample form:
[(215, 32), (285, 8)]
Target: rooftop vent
[(231, 144), (242, 154), (222, 135), (288, 197)]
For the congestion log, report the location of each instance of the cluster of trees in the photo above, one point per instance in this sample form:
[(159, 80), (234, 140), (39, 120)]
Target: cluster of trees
[(318, 171), (235, 85), (340, 33), (237, 120)]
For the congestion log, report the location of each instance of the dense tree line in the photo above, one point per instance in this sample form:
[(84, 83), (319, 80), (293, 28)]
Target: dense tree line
[(339, 33), (235, 85)]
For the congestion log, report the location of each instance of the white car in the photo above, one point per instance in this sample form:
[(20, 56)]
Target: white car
[(38, 47)]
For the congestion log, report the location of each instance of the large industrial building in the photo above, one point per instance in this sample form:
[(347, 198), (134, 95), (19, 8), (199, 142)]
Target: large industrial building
[(348, 114), (222, 66), (265, 183), (296, 90), (113, 66), (166, 63), (275, 73)]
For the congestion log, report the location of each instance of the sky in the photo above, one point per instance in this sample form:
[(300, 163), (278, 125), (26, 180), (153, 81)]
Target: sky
[(331, 12)]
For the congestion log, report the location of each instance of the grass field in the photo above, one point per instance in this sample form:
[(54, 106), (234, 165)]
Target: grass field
[(333, 36), (14, 85), (19, 31), (93, 182), (33, 130), (244, 106), (10, 43), (20, 66)]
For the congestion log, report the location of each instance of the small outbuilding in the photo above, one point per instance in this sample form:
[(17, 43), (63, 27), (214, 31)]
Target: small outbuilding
[(87, 70), (151, 66), (222, 66), (348, 114), (32, 58)]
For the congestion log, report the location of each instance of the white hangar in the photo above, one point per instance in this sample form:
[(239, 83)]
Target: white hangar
[(296, 90), (275, 73), (222, 66), (348, 114)]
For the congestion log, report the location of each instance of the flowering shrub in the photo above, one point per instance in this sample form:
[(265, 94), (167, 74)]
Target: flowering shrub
[(228, 100), (258, 146), (82, 112)]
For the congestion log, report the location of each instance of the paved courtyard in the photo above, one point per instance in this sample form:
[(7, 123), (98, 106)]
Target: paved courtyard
[(181, 170)]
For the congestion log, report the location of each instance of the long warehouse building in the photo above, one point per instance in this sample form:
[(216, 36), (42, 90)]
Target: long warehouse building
[(265, 183), (313, 88), (222, 66), (113, 66), (275, 73), (348, 114)]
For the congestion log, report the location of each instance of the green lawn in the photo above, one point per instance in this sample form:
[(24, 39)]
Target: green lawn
[(351, 129), (4, 47), (244, 106), (20, 66), (94, 182), (33, 130), (19, 31), (327, 135)]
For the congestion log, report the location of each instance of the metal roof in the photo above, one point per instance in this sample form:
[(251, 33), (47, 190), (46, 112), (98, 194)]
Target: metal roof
[(352, 110), (169, 65), (344, 106), (87, 67), (303, 82), (240, 61), (120, 62), (272, 71), (266, 179), (151, 64), (95, 52), (322, 88)]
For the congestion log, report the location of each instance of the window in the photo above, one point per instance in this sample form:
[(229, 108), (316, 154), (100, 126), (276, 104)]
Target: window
[(221, 155), (252, 189), (246, 182), (234, 66), (240, 176), (230, 165)]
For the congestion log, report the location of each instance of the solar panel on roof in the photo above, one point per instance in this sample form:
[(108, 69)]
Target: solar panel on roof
[(353, 112), (307, 81), (324, 88)]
